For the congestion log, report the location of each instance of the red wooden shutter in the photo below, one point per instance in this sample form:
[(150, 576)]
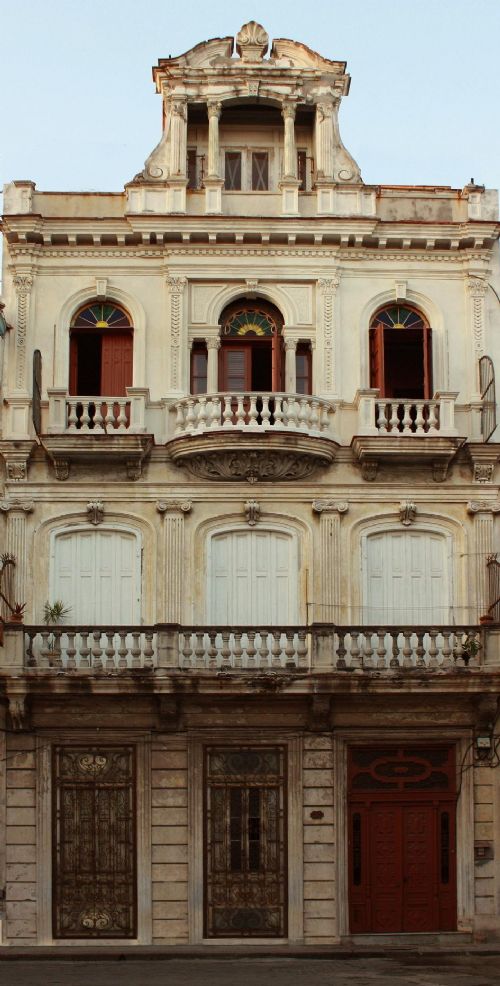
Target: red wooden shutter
[(303, 369), (236, 368), (116, 363), (73, 365), (427, 363), (377, 370)]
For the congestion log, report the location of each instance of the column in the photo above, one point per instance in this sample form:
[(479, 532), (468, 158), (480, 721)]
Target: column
[(16, 511), (213, 182), (213, 346), (173, 512), (327, 291), (324, 141), (176, 287), (330, 513), (289, 183), (177, 180), (290, 366), (483, 513)]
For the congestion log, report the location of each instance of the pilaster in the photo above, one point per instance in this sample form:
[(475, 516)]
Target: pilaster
[(176, 289), (213, 346), (330, 513), (290, 366), (16, 511), (477, 288), (173, 512), (483, 512), (326, 322), (177, 181)]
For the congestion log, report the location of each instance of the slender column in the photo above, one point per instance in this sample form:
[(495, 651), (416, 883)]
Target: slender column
[(290, 366), (213, 346), (173, 512), (330, 512), (483, 512), (214, 110), (324, 140), (176, 288), (16, 544), (290, 152), (178, 138), (328, 289)]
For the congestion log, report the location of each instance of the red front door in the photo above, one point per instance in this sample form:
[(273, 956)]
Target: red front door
[(402, 841)]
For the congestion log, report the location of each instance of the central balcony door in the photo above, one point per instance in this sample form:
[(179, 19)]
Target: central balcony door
[(253, 579), (250, 357), (97, 574)]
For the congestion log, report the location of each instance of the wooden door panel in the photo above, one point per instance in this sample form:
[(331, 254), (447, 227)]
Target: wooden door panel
[(419, 852), (386, 876), (116, 363), (236, 369), (377, 370)]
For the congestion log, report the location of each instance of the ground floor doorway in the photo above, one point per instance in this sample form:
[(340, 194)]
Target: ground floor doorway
[(402, 860)]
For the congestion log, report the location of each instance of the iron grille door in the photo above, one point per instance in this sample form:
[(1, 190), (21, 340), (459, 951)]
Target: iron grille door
[(94, 851), (245, 849)]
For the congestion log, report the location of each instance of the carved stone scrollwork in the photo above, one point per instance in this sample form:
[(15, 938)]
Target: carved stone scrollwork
[(369, 471), (407, 513), (328, 289), (253, 466), (439, 471), (322, 506), (26, 506), (252, 42), (23, 284), (252, 512), (95, 512), (477, 288), (164, 506), (61, 468), (483, 506), (483, 472)]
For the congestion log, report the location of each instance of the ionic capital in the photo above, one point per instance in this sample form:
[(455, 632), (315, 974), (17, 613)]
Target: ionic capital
[(167, 506), (330, 506), (483, 506), (22, 506)]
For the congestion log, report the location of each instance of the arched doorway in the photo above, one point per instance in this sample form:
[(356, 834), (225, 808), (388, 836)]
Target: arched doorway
[(251, 353), (101, 351), (401, 353)]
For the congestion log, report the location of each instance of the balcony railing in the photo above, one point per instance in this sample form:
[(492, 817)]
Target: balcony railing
[(253, 412), (96, 415), (321, 647), (406, 417)]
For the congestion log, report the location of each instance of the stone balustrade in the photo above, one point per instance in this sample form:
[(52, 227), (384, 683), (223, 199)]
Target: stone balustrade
[(406, 417), (253, 412), (96, 415), (321, 647)]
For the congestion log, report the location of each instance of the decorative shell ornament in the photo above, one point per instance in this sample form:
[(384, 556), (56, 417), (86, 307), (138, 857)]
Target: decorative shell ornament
[(252, 42)]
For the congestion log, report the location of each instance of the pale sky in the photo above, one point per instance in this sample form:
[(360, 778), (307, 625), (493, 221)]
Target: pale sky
[(79, 111)]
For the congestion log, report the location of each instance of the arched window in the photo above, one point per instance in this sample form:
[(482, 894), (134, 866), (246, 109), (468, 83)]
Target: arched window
[(251, 353), (101, 349), (97, 574), (401, 353)]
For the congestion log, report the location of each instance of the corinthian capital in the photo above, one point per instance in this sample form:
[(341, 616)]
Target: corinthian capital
[(329, 285), (288, 111), (214, 108), (477, 287), (176, 285), (23, 283)]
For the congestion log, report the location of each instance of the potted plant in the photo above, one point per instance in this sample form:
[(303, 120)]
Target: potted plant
[(53, 615)]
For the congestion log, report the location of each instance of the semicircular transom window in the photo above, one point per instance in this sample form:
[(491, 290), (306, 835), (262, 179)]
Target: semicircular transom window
[(250, 322), (101, 316), (399, 317)]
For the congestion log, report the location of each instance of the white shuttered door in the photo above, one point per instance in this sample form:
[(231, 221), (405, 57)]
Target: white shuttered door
[(253, 579), (406, 578), (97, 573)]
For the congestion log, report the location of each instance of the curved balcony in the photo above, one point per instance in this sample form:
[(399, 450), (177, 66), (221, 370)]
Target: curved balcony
[(253, 436)]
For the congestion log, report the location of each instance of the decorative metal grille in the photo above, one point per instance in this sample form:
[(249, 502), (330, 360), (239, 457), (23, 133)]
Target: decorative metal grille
[(94, 849), (488, 397), (245, 849), (403, 769)]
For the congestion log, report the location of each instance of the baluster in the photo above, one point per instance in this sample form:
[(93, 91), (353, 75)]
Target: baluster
[(476, 640), (265, 413), (199, 650), (290, 660), (97, 651), (302, 649), (382, 420), (433, 649), (70, 651), (367, 650), (252, 413), (136, 649), (237, 650), (109, 421), (85, 416), (228, 411), (291, 413), (341, 652), (215, 420), (263, 650), (276, 649), (148, 650), (212, 651), (45, 649), (324, 417), (72, 415), (303, 414), (446, 650), (432, 420), (84, 650), (419, 419), (110, 650), (190, 415), (201, 423), (57, 661), (279, 413), (122, 651), (394, 422), (251, 649), (458, 649), (381, 649), (225, 650), (31, 661), (406, 421), (187, 650), (394, 661), (98, 418), (179, 421), (407, 649), (314, 415), (420, 651), (355, 664)]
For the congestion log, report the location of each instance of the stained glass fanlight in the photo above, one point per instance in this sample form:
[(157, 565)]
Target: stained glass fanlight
[(101, 316), (399, 317), (250, 322)]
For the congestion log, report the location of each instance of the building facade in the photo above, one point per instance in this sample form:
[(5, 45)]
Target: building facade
[(248, 446)]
